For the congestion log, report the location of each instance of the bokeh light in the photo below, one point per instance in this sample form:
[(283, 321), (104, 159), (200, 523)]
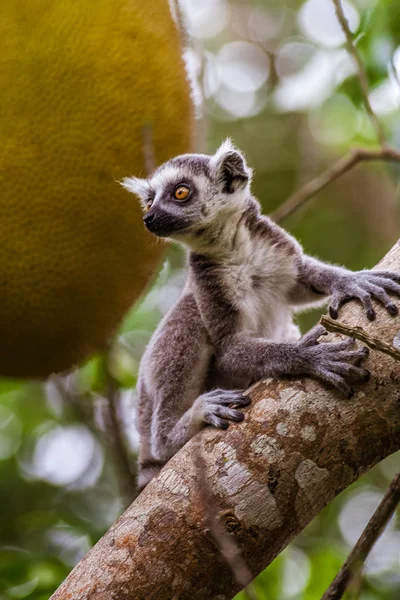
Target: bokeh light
[(207, 18), (67, 456), (265, 24), (242, 66), (352, 521), (318, 22)]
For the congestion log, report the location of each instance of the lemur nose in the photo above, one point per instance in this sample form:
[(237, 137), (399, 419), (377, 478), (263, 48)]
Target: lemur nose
[(148, 218)]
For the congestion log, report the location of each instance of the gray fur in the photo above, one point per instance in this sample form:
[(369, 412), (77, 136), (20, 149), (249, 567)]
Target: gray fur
[(234, 323)]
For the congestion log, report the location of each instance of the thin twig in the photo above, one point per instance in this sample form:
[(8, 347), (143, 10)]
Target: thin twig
[(111, 436), (360, 334), (339, 168), (356, 155), (376, 525), (227, 546), (127, 475), (80, 402), (361, 72)]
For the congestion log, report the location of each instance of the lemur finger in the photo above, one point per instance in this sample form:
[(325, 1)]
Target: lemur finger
[(350, 371), (222, 394), (365, 299), (335, 380), (388, 284), (380, 294), (386, 275), (241, 402), (334, 347), (215, 421), (228, 413), (227, 397), (353, 356), (336, 303), (311, 337)]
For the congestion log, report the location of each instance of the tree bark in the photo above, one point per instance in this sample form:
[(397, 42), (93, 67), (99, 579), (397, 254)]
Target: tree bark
[(299, 446)]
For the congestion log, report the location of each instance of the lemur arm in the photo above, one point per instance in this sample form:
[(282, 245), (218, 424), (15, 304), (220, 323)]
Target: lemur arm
[(255, 358), (177, 365), (213, 408), (333, 363), (316, 277), (169, 432), (174, 375)]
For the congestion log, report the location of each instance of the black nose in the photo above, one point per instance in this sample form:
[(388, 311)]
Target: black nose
[(148, 218)]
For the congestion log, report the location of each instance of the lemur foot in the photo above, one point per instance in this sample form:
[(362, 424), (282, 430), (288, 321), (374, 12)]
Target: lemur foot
[(215, 407), (365, 285), (333, 362)]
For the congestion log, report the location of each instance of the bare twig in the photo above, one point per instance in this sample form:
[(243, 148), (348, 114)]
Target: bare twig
[(80, 402), (111, 435), (339, 168), (227, 546), (127, 475), (356, 155), (376, 525), (359, 334), (361, 72)]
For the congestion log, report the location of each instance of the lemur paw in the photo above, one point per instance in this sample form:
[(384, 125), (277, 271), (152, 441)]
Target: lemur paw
[(334, 363), (365, 285), (216, 407)]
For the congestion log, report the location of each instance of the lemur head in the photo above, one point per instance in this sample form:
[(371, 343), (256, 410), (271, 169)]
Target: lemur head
[(191, 193)]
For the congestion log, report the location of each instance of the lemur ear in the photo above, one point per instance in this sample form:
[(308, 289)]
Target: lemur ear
[(137, 186), (230, 168)]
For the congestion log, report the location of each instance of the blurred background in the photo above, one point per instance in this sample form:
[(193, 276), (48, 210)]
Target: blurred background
[(276, 77)]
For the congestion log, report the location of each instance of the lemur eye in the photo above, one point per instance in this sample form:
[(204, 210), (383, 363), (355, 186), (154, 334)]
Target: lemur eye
[(148, 205), (181, 193)]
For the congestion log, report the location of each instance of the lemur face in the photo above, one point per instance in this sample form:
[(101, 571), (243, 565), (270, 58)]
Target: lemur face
[(187, 194)]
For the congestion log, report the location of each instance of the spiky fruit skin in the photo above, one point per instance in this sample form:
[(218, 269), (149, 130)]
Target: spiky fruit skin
[(80, 83)]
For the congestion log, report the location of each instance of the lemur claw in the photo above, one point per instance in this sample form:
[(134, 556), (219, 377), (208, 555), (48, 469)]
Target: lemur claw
[(365, 286), (335, 363), (219, 407)]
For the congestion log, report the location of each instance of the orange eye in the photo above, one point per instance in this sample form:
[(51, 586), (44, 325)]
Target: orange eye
[(181, 193), (148, 206)]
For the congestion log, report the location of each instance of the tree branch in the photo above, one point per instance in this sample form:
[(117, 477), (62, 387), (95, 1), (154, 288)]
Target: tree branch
[(361, 72), (360, 334), (126, 472), (226, 543), (339, 168), (111, 433), (375, 527), (356, 155), (300, 445)]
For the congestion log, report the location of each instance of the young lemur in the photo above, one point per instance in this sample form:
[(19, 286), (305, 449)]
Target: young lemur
[(233, 322)]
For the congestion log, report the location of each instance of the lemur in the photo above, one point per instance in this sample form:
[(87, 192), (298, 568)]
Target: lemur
[(233, 323)]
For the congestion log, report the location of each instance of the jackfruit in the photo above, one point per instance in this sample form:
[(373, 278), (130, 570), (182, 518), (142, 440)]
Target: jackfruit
[(81, 84)]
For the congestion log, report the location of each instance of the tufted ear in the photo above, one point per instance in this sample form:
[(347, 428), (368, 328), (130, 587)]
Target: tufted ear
[(140, 187), (230, 168)]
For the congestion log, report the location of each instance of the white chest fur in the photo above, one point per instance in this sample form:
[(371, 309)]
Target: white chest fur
[(259, 281)]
